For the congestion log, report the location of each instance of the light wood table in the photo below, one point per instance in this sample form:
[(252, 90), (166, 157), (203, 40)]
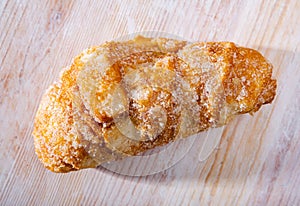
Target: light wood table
[(257, 161)]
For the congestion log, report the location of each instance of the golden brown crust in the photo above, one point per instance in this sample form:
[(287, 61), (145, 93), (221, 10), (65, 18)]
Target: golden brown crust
[(123, 98), (56, 140), (248, 84)]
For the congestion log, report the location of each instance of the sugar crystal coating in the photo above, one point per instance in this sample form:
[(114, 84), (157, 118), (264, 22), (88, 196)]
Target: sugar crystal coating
[(124, 98)]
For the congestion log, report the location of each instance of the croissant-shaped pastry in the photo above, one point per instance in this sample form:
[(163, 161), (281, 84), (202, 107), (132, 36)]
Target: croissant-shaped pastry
[(123, 98)]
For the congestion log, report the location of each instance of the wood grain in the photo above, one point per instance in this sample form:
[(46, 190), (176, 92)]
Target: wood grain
[(258, 159)]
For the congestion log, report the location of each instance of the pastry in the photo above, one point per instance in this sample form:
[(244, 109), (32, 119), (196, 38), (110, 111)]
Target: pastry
[(121, 99)]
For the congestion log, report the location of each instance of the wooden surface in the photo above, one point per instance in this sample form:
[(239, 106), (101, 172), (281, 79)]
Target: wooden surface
[(257, 161)]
